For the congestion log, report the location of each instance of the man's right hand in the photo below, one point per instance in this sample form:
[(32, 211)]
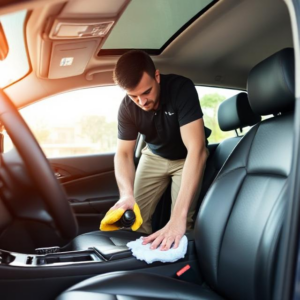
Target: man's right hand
[(115, 213), (125, 202), (128, 202)]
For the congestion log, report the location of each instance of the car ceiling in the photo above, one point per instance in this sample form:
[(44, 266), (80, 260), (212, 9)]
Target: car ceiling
[(218, 49)]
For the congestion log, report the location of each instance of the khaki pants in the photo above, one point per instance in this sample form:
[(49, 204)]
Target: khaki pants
[(152, 178)]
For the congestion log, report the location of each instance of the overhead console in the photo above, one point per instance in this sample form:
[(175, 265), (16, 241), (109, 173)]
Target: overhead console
[(73, 37)]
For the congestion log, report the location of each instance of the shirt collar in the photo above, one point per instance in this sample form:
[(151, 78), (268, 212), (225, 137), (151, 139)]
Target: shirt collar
[(162, 96)]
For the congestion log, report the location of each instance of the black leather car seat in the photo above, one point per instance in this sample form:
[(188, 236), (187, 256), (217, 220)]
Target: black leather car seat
[(237, 232), (233, 114)]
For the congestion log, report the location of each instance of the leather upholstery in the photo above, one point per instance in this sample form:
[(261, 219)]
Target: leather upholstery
[(236, 112), (233, 113), (247, 196), (134, 285), (107, 243), (237, 232), (271, 84)]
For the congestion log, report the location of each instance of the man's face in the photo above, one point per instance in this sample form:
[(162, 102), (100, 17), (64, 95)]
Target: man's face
[(146, 93)]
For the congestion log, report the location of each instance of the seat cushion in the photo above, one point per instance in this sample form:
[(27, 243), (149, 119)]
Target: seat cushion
[(130, 285)]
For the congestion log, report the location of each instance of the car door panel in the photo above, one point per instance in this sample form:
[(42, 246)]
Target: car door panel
[(90, 184)]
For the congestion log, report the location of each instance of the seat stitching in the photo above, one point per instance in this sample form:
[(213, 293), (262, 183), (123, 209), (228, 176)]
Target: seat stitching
[(273, 211), (248, 154), (224, 230), (252, 173)]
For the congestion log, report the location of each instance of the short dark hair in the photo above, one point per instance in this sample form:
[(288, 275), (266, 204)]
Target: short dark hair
[(130, 68)]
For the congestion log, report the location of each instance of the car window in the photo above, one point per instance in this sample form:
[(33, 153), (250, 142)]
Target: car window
[(16, 63), (210, 99), (85, 121), (75, 123)]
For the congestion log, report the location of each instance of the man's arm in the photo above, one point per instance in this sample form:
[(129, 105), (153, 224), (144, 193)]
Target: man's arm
[(193, 138), (125, 172)]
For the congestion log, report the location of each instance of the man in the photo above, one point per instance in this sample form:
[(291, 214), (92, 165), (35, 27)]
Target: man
[(166, 110)]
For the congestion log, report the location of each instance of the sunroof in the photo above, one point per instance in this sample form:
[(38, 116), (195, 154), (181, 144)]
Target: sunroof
[(151, 25)]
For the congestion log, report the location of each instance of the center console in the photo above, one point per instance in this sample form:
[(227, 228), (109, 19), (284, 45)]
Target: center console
[(48, 274), (53, 259), (90, 248)]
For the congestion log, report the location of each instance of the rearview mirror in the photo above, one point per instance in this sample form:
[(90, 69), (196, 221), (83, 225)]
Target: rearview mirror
[(3, 44)]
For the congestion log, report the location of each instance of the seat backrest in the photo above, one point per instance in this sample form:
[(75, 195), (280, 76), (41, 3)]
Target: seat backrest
[(238, 227), (234, 113)]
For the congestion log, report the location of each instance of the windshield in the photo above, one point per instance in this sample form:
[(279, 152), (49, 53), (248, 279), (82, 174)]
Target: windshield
[(16, 65)]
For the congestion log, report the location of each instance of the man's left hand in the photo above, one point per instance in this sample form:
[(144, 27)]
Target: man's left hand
[(165, 237)]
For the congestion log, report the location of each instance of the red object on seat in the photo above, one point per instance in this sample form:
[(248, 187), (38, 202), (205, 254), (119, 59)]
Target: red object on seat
[(183, 270)]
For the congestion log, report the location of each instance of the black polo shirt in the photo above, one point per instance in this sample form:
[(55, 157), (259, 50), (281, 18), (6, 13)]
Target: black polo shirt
[(179, 105)]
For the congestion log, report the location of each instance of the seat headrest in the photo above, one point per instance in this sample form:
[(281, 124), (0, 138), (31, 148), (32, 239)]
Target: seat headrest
[(235, 113), (271, 84)]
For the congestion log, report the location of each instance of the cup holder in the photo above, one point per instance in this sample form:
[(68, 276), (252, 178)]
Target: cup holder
[(68, 258)]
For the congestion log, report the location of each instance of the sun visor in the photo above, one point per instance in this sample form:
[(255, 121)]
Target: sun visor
[(71, 39), (70, 59)]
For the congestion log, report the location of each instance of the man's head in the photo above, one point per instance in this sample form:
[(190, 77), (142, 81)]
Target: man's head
[(136, 74)]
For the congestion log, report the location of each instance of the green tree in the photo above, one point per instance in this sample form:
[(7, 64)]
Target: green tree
[(99, 131), (210, 104)]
